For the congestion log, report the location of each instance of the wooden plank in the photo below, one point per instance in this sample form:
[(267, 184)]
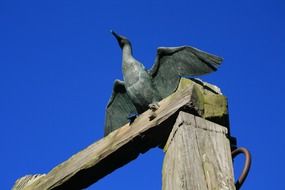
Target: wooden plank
[(115, 150), (198, 156), (126, 143)]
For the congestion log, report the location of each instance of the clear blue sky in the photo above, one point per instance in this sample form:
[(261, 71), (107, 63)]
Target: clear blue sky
[(58, 62)]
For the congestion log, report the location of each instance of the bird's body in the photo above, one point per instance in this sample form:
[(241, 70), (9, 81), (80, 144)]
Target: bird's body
[(142, 89), (138, 82)]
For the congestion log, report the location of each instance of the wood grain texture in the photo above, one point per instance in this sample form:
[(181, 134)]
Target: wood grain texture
[(197, 156)]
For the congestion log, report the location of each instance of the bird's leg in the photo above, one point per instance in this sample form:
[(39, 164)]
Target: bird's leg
[(132, 117), (153, 107)]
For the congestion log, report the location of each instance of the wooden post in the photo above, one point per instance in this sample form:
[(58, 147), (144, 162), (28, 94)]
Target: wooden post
[(197, 156), (126, 143)]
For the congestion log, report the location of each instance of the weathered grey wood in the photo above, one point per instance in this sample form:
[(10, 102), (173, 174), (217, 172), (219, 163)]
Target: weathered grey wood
[(149, 130), (197, 156), (26, 180), (115, 150)]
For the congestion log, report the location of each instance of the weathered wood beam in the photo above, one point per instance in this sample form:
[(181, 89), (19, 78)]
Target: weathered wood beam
[(197, 156), (126, 143)]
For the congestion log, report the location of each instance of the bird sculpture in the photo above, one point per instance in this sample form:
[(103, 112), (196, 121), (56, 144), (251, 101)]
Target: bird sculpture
[(143, 89)]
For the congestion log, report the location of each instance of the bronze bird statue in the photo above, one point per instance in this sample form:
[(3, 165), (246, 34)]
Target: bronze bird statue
[(142, 89)]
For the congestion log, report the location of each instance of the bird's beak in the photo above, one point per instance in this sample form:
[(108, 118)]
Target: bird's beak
[(118, 37), (115, 34)]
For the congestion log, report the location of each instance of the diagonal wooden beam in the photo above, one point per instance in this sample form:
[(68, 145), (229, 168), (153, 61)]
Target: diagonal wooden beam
[(120, 146)]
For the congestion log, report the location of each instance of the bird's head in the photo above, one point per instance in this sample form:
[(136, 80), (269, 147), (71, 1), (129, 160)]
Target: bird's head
[(121, 39)]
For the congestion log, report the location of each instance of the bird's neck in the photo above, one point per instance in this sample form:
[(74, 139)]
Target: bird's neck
[(131, 67), (127, 51)]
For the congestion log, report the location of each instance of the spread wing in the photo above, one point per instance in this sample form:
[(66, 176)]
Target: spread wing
[(118, 108), (172, 63)]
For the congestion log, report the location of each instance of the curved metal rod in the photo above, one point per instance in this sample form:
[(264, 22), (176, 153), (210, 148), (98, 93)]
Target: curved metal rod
[(246, 167)]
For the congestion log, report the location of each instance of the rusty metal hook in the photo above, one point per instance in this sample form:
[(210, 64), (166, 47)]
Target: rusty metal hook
[(246, 167)]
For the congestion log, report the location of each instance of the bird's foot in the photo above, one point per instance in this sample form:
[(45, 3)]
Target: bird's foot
[(153, 107), (132, 117)]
